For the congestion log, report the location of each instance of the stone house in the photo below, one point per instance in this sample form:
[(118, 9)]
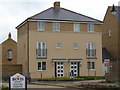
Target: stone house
[(58, 41)]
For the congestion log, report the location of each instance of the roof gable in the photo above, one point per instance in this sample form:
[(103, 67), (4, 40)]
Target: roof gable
[(61, 14), (117, 15)]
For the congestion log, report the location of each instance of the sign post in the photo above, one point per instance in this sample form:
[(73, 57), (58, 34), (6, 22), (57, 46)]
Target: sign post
[(18, 82)]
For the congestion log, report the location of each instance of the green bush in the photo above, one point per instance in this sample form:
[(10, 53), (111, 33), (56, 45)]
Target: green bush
[(4, 88), (62, 79), (92, 77)]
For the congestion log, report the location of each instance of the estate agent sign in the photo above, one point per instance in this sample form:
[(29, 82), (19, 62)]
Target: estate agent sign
[(18, 81)]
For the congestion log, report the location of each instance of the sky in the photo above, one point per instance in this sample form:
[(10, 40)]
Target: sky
[(13, 12)]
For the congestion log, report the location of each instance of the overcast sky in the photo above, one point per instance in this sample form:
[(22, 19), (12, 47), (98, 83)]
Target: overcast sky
[(13, 12)]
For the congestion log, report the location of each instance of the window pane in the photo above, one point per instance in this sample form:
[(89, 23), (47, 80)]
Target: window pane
[(9, 54), (76, 27), (93, 65), (43, 65), (56, 26), (90, 27), (39, 66), (75, 45), (41, 49), (41, 26), (58, 45)]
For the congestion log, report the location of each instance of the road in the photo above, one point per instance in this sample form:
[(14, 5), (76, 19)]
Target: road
[(35, 86)]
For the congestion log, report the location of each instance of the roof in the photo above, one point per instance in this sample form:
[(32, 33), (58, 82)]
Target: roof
[(117, 15), (106, 55), (61, 14)]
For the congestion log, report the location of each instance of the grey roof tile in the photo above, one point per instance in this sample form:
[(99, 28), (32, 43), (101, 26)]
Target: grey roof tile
[(61, 14)]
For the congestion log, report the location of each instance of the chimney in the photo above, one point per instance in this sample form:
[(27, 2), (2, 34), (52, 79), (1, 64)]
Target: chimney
[(57, 4), (9, 35)]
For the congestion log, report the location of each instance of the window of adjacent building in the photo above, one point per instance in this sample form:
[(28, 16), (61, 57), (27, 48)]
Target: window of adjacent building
[(91, 51), (58, 45), (109, 33), (90, 27), (91, 65), (9, 54), (41, 50), (75, 46), (76, 27), (41, 66), (41, 26), (56, 26)]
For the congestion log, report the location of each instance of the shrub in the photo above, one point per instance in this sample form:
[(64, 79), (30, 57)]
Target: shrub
[(92, 77), (62, 79)]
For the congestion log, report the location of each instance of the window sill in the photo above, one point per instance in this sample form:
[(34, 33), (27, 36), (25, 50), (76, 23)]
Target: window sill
[(41, 57), (41, 30), (92, 69), (41, 70), (91, 57), (75, 48)]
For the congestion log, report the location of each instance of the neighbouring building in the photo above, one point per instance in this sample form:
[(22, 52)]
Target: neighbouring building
[(58, 41), (111, 32), (111, 41), (8, 57)]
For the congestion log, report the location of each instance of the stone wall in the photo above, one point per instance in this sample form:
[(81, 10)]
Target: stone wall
[(9, 70), (114, 74)]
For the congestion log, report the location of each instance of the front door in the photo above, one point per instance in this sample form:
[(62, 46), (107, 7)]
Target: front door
[(60, 69), (74, 68)]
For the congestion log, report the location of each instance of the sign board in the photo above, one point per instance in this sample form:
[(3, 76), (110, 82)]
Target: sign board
[(18, 81), (106, 62)]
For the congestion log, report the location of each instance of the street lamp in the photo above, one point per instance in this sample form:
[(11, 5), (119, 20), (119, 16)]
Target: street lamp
[(113, 11)]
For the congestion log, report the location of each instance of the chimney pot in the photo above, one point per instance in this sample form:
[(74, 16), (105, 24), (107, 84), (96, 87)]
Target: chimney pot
[(57, 4)]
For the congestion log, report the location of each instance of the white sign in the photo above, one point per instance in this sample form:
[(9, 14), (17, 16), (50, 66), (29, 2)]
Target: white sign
[(106, 62), (18, 81)]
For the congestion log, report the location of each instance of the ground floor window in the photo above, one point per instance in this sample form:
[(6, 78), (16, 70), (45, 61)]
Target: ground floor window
[(41, 66), (91, 65)]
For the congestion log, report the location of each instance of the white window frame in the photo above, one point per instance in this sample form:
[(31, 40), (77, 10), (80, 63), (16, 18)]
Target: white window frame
[(42, 48), (9, 54), (91, 46), (56, 26), (91, 65), (58, 45), (41, 26), (41, 66), (75, 45), (109, 33), (90, 27), (76, 27)]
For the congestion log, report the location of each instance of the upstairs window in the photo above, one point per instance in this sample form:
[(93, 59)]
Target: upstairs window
[(91, 51), (9, 54), (58, 45), (90, 27), (41, 26), (76, 27), (91, 65), (75, 46), (56, 26), (41, 50)]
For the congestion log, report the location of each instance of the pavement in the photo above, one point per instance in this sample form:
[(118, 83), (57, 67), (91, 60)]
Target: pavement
[(67, 84), (75, 84)]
